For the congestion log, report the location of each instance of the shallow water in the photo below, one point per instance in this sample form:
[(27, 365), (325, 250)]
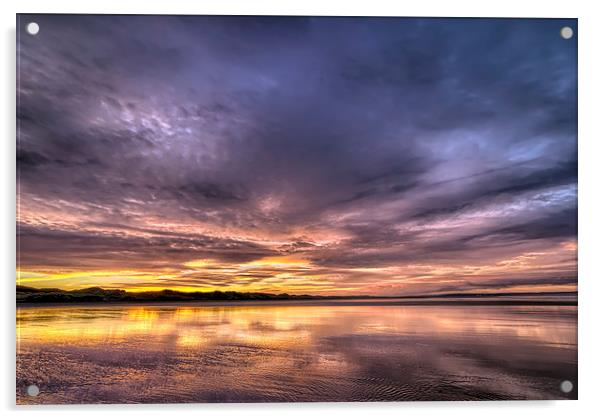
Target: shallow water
[(292, 352)]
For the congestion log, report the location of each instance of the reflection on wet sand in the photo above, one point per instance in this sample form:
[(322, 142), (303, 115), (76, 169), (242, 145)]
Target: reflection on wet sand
[(246, 353)]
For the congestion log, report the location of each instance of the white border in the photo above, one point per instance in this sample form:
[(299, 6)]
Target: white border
[(590, 209)]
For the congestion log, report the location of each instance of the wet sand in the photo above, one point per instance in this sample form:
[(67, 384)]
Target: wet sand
[(294, 351)]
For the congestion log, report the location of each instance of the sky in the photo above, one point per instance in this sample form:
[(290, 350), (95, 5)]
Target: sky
[(334, 156)]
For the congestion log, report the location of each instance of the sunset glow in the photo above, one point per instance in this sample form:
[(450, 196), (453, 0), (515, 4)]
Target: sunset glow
[(341, 158)]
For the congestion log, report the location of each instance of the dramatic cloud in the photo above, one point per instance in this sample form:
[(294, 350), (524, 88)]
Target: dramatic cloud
[(297, 154)]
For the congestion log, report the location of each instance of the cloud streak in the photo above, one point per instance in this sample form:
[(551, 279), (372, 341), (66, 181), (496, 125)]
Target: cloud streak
[(385, 156)]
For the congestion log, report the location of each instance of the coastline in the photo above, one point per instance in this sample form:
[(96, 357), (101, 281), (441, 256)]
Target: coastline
[(310, 302)]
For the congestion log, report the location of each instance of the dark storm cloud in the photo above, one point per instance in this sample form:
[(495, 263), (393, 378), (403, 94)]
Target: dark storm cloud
[(374, 129), (555, 225), (43, 248), (512, 180)]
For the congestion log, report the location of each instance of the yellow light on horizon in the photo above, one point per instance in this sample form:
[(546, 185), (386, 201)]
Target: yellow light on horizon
[(199, 263), (277, 261)]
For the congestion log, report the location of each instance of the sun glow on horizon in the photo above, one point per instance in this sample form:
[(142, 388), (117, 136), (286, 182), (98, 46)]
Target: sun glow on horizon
[(298, 274)]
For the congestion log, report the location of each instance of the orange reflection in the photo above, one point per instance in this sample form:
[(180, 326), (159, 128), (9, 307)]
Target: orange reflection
[(278, 325)]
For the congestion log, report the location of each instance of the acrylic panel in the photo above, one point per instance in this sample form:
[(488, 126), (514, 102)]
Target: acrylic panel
[(295, 209)]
